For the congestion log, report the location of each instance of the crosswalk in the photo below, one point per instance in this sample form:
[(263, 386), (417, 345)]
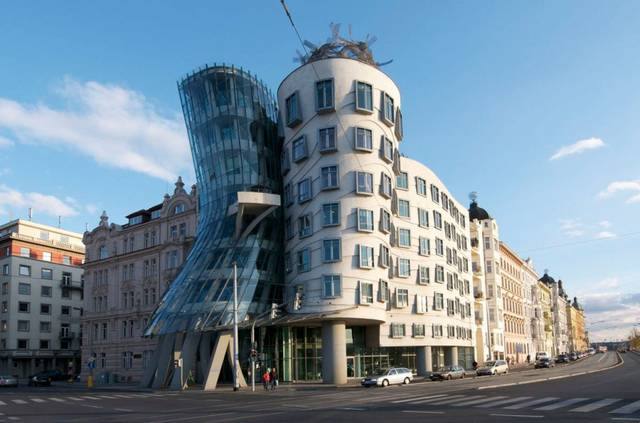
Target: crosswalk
[(6, 401), (614, 406)]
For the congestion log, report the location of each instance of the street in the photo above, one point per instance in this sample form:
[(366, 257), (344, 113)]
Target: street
[(611, 394)]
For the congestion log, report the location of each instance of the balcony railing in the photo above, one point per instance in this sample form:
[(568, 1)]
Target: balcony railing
[(478, 292), (65, 334), (70, 284)]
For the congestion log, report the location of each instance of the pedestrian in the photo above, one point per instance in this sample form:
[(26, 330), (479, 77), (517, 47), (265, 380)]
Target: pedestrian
[(273, 378), (266, 379), (528, 358), (475, 365)]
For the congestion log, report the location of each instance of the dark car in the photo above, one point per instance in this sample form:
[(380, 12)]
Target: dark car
[(562, 358), (544, 363), (573, 356), (39, 379), (448, 373), (48, 375)]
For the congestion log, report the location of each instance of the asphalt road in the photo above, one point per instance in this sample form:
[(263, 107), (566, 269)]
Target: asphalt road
[(546, 394)]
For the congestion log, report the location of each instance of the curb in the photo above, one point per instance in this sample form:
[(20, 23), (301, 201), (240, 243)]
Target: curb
[(546, 379)]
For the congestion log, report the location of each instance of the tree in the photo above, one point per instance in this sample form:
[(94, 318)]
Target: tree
[(634, 339)]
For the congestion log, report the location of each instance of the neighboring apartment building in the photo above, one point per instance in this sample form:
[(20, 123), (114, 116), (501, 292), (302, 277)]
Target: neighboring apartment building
[(42, 298), (483, 344), (533, 323), (486, 266), (559, 302), (543, 331), (511, 274), (128, 267), (576, 324)]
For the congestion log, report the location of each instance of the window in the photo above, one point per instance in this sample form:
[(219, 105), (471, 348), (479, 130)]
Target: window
[(293, 112), (365, 220), (440, 274), (383, 291), (438, 301), (305, 225), (397, 330), (386, 149), (385, 185), (385, 221), (329, 177), (435, 193), (304, 260), (284, 159), (439, 247), (45, 327), (437, 220), (388, 110), (45, 291), (423, 275), (445, 201), (402, 180), (364, 139), (424, 248), (24, 288), (24, 307), (365, 257), (182, 229), (23, 344), (331, 286), (288, 195), (304, 190), (299, 149), (24, 270), (179, 208), (327, 139), (5, 269), (385, 260), (331, 214), (421, 186), (364, 183), (46, 256), (399, 127), (288, 267), (404, 267), (288, 228), (5, 307), (65, 310), (489, 270), (449, 281), (46, 273), (423, 218), (364, 97), (67, 260), (402, 297), (324, 95), (418, 330), (404, 238), (23, 326), (404, 208), (25, 252), (331, 250), (366, 293)]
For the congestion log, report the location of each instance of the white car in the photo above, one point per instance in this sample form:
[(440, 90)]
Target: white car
[(495, 367), (386, 377), (540, 355)]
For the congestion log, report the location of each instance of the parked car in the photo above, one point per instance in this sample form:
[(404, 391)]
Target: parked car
[(39, 380), (448, 373), (493, 368), (562, 358), (540, 355), (8, 381), (573, 356), (544, 363), (386, 377), (52, 375)]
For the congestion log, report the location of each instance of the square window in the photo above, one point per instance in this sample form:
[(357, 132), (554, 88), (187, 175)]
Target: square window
[(404, 238), (329, 177), (24, 288), (386, 151), (45, 327), (46, 273), (24, 270), (24, 307), (364, 97), (331, 214), (331, 250), (327, 139), (331, 286), (404, 267), (397, 330), (366, 293), (418, 329), (402, 181), (305, 225), (365, 220), (45, 291), (324, 95), (404, 208), (23, 326), (385, 221), (44, 344), (304, 260), (388, 109), (23, 344), (293, 110), (45, 308), (402, 297), (365, 257), (364, 183), (299, 149), (46, 256), (364, 139), (304, 190), (25, 252)]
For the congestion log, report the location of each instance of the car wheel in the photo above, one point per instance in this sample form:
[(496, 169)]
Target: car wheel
[(449, 377), (506, 372), (463, 376), (407, 380), (494, 373), (385, 383)]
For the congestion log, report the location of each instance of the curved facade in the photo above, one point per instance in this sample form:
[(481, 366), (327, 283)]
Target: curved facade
[(231, 121), (372, 239)]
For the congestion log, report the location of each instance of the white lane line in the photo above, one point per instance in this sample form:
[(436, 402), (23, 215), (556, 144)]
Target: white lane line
[(417, 398), (565, 403), (56, 399), (435, 399), (125, 410), (521, 416), (422, 412), (477, 401), (627, 409), (625, 419), (449, 400), (496, 386), (123, 396), (503, 402), (75, 399), (13, 418), (37, 400), (595, 405), (91, 398), (19, 401), (349, 408), (603, 356), (3, 403), (530, 403), (106, 397), (90, 406)]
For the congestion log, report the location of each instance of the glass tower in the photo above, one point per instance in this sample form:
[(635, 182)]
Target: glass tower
[(231, 119)]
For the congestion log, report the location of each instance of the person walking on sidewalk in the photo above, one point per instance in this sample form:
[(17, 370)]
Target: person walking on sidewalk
[(266, 379), (273, 378)]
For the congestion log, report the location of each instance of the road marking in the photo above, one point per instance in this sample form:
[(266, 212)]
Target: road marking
[(123, 396), (90, 406), (627, 409), (191, 418), (19, 401), (422, 412), (528, 403), (449, 400), (107, 397), (603, 356), (477, 401), (522, 416), (125, 410), (13, 418), (91, 398), (595, 405), (56, 399), (75, 399), (352, 409), (625, 419), (3, 403), (435, 399), (496, 386), (37, 400), (503, 402), (561, 404), (417, 398)]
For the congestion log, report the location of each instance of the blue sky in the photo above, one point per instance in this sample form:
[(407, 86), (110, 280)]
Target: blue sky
[(90, 118)]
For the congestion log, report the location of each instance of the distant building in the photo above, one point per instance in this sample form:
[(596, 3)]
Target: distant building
[(575, 322), (128, 268), (513, 300), (533, 326), (42, 298), (559, 302), (543, 328)]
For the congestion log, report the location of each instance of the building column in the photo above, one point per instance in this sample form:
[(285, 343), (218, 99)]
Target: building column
[(423, 360), (452, 359), (334, 353)]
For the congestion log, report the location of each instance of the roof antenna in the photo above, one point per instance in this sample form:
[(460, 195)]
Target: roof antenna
[(30, 214)]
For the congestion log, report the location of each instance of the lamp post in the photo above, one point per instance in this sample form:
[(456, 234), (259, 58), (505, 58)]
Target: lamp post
[(235, 327)]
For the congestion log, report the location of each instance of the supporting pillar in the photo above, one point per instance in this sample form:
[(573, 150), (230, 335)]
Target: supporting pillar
[(423, 361), (204, 351), (164, 360), (334, 353), (215, 362), (189, 352), (178, 355), (452, 360)]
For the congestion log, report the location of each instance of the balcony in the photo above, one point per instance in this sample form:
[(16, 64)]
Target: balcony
[(70, 284), (478, 292), (66, 334)]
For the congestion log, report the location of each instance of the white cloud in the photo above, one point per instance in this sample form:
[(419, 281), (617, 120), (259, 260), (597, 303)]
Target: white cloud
[(605, 224), (19, 202), (92, 209), (634, 199), (113, 125), (4, 171), (605, 235), (571, 227), (578, 148), (5, 142), (611, 315), (622, 186)]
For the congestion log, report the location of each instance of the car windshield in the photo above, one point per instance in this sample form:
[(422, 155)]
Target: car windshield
[(490, 364), (443, 369), (379, 372)]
